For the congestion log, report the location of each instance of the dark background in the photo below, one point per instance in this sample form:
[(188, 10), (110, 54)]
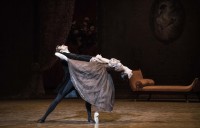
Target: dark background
[(124, 33)]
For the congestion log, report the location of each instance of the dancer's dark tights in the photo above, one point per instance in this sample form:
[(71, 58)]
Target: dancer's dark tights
[(88, 107), (61, 94)]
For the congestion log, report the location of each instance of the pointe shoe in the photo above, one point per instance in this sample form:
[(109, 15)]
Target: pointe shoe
[(96, 117), (40, 121)]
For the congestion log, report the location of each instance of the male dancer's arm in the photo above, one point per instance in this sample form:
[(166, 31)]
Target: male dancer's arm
[(77, 56), (65, 56)]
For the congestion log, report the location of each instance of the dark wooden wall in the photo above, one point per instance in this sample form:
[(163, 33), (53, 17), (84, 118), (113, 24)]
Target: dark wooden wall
[(125, 33), (17, 40)]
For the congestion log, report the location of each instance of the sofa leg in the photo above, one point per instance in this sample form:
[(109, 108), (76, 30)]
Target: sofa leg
[(186, 98), (149, 97), (136, 97), (198, 95)]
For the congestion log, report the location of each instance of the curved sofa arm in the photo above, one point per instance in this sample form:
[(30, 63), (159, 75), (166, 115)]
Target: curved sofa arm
[(144, 82)]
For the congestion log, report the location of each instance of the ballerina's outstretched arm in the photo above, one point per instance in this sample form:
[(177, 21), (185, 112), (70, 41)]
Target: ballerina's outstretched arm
[(114, 63)]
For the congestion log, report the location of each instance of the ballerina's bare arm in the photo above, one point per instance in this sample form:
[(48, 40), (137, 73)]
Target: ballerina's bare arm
[(114, 63)]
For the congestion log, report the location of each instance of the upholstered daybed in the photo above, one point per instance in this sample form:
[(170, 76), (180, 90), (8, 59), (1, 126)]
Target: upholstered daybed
[(141, 85)]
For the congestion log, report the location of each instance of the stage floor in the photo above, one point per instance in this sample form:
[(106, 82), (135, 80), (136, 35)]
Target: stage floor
[(127, 113)]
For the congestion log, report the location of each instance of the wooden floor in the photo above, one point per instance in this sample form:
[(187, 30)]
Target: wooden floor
[(127, 113)]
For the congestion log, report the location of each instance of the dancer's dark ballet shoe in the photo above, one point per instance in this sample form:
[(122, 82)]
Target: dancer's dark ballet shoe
[(40, 121), (90, 120)]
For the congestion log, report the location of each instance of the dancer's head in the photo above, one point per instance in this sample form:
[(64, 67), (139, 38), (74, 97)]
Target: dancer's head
[(128, 72), (124, 76), (62, 48)]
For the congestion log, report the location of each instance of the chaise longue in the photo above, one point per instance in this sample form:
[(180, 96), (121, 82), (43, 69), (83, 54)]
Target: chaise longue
[(141, 85)]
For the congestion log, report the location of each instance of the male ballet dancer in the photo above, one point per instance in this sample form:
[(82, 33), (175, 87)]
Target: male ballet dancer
[(66, 86)]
